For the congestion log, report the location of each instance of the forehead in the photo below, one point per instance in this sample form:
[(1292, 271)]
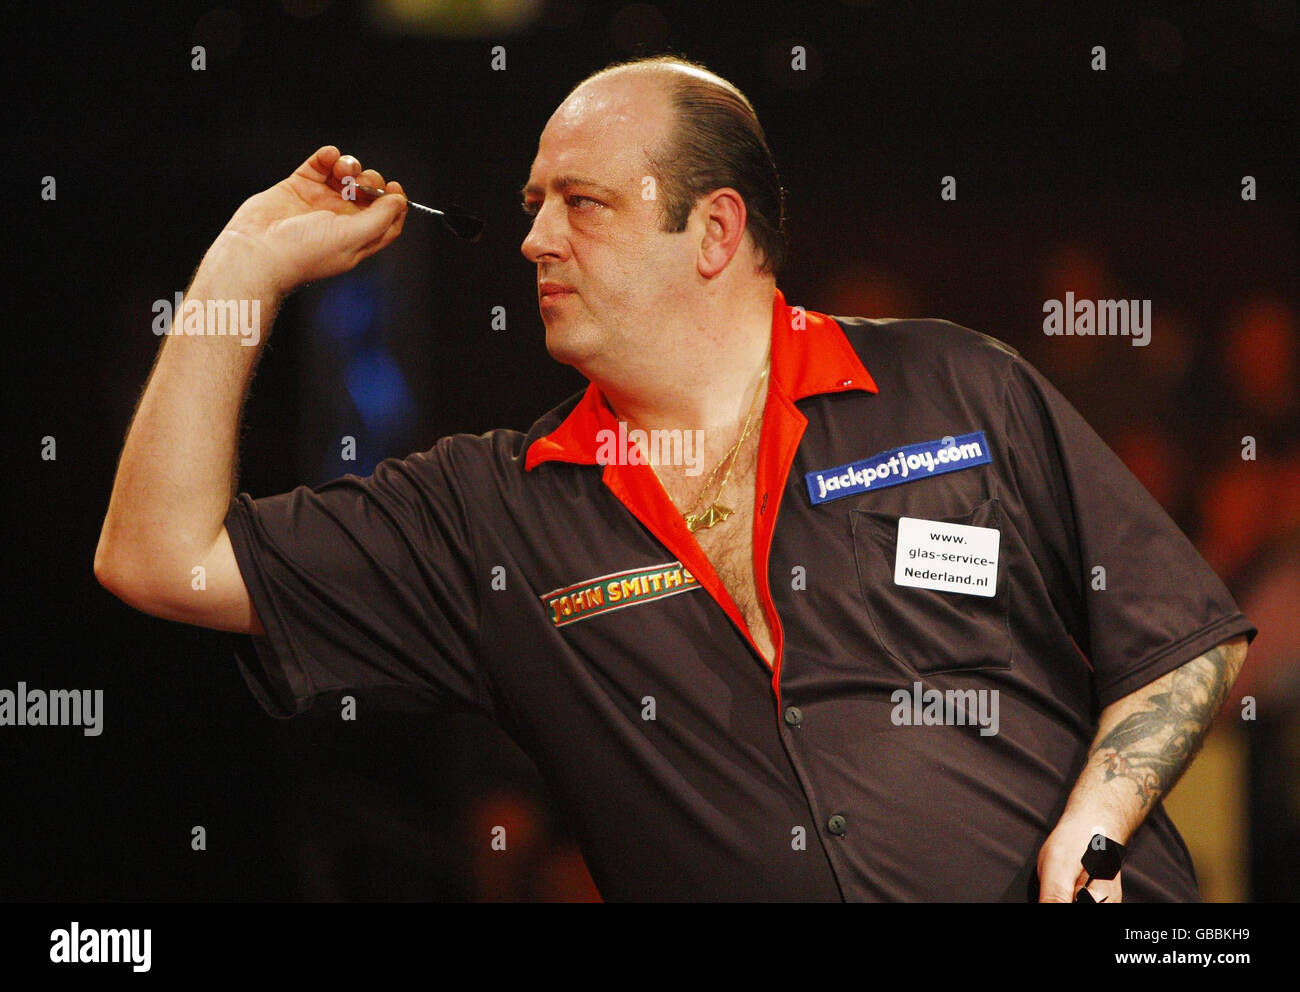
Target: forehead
[(604, 128)]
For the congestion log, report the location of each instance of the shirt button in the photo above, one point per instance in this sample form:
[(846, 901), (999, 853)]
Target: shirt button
[(846, 382), (837, 825), (793, 716)]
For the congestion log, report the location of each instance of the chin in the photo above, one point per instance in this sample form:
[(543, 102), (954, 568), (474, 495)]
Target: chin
[(569, 344)]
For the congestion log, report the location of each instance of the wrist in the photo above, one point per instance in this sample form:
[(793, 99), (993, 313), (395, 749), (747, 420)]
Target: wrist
[(244, 269), (1107, 815)]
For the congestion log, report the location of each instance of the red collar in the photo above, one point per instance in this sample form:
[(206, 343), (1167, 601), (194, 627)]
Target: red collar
[(810, 355), (815, 359)]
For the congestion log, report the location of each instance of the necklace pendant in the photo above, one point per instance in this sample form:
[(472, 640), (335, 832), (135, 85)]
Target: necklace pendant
[(714, 514)]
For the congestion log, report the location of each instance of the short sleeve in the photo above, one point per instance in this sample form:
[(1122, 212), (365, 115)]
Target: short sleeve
[(1135, 594), (361, 583)]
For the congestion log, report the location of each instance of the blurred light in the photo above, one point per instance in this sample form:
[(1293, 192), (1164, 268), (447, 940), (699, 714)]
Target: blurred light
[(379, 391), (1075, 268), (1261, 354), (1270, 602), (346, 310), (454, 18), (1236, 514), (1149, 455), (564, 878), (869, 291), (516, 814), (1079, 269)]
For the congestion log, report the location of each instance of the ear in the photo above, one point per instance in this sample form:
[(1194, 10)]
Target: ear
[(724, 218)]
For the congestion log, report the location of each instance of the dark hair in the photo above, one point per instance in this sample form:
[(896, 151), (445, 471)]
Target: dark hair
[(717, 142)]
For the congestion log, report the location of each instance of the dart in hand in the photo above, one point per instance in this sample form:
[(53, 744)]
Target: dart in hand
[(1102, 860), (457, 221)]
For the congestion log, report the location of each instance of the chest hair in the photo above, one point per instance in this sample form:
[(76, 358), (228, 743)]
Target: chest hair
[(729, 545)]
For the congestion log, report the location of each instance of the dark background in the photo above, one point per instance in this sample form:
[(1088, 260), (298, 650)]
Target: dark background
[(1117, 184)]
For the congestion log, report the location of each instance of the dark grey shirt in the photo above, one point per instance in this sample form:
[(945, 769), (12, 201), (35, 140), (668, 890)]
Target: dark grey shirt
[(514, 574)]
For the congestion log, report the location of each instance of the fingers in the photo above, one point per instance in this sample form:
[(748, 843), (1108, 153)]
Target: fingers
[(379, 220), (328, 165), (1057, 888), (379, 223), (319, 164), (375, 222), (370, 177), (1108, 889), (396, 200), (396, 229), (1059, 877), (347, 165)]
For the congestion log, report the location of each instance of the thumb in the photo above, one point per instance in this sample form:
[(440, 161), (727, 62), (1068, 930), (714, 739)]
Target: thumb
[(1058, 879), (371, 224), (1056, 890)]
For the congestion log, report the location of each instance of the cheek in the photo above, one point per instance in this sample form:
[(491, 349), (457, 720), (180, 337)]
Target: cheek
[(613, 269), (666, 267), (631, 269)]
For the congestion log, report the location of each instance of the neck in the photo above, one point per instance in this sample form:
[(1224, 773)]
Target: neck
[(703, 373)]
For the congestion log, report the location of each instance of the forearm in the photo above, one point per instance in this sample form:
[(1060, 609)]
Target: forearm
[(1146, 740), (178, 466)]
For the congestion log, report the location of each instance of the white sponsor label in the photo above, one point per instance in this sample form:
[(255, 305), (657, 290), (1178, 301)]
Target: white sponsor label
[(947, 557)]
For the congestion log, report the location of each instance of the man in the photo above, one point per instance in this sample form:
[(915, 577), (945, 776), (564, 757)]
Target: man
[(726, 666)]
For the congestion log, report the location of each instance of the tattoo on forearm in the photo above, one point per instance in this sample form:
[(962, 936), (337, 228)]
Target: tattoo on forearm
[(1151, 747)]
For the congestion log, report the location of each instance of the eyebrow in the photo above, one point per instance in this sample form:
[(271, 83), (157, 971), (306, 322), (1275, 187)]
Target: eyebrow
[(566, 182)]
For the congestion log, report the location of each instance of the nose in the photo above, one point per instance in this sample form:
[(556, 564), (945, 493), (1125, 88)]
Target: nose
[(545, 240)]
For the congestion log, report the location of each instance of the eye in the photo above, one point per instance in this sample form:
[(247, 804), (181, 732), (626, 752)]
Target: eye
[(583, 203)]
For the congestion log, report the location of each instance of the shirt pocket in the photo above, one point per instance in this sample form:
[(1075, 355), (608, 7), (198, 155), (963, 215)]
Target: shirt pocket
[(926, 630)]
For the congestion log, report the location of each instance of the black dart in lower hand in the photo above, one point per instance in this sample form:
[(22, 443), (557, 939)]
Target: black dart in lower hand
[(1102, 860)]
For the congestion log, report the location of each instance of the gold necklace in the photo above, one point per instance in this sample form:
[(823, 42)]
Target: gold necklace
[(716, 512)]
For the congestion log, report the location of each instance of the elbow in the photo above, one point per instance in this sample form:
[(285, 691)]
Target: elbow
[(147, 580), (110, 571), (122, 575), (103, 564), (1236, 649)]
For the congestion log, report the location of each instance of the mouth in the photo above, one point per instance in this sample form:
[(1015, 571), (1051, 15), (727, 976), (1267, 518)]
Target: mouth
[(549, 293)]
